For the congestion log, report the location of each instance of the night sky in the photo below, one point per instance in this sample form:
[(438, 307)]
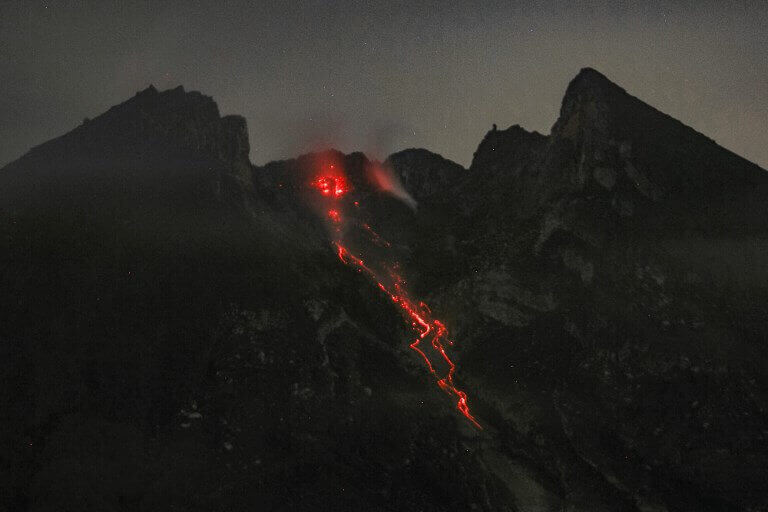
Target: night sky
[(383, 76)]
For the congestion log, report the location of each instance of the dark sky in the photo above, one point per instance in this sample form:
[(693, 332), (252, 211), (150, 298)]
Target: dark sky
[(383, 76)]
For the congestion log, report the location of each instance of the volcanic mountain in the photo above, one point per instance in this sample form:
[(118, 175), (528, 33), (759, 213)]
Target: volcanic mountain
[(177, 330)]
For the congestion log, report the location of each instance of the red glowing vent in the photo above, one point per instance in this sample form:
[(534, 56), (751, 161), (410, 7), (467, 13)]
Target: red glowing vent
[(333, 185)]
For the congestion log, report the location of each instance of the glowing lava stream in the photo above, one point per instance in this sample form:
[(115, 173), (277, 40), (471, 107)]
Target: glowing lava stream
[(419, 315)]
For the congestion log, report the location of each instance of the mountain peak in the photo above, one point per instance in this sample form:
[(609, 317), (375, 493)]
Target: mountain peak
[(423, 172), (422, 156), (501, 148), (168, 137), (661, 160), (586, 102), (151, 124), (151, 90), (590, 75)]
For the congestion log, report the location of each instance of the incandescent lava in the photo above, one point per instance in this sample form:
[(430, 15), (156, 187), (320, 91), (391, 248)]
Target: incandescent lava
[(432, 336)]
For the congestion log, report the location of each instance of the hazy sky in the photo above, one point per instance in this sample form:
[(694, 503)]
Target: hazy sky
[(383, 76)]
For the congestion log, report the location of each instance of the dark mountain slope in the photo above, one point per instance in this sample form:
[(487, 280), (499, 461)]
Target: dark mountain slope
[(424, 173), (174, 335), (602, 311), (176, 332), (122, 150)]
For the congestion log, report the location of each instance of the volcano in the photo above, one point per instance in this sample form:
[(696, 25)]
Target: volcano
[(183, 329)]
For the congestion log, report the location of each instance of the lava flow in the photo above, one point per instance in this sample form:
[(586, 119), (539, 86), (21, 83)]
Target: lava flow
[(334, 186), (331, 186)]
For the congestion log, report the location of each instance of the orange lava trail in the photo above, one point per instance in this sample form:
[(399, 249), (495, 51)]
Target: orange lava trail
[(417, 314)]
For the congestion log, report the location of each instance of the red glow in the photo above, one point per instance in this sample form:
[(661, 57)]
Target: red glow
[(386, 180), (375, 237), (419, 316), (331, 185), (422, 322)]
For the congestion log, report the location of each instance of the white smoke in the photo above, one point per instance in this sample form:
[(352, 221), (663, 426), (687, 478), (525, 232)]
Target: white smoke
[(386, 179)]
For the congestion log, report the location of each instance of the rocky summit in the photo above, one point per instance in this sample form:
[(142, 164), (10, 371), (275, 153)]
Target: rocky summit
[(178, 333)]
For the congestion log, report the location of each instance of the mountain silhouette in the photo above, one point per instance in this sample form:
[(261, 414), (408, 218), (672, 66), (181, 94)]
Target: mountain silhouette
[(177, 331)]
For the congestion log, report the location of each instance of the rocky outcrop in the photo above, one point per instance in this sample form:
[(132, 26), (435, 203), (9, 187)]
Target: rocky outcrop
[(176, 331), (507, 152), (653, 167), (152, 125), (424, 173), (157, 143), (596, 216)]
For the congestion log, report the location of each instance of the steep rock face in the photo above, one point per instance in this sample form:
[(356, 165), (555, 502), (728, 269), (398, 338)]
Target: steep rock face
[(635, 227), (654, 167), (152, 125), (658, 174), (175, 336), (424, 173), (177, 331), (506, 152), (154, 143), (123, 242)]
